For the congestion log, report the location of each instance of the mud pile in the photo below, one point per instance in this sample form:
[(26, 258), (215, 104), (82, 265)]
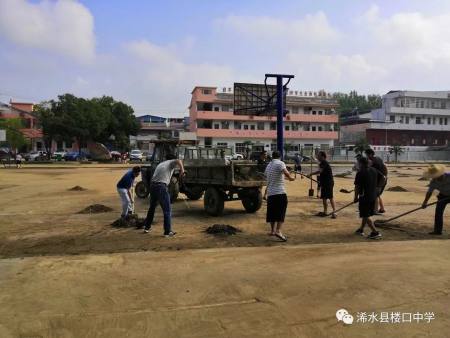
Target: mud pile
[(129, 221), (222, 229), (77, 188), (397, 188), (95, 209)]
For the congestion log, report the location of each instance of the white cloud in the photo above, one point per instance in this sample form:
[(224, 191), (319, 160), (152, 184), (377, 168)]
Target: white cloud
[(313, 29), (63, 26)]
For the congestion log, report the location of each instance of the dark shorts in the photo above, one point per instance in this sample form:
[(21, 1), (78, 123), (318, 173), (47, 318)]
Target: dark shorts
[(276, 208), (298, 168), (326, 190), (366, 208)]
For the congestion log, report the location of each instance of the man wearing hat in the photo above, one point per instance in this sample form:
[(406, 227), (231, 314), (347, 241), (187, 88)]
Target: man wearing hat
[(440, 180)]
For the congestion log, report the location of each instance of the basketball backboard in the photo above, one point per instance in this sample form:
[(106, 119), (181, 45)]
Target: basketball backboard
[(255, 99)]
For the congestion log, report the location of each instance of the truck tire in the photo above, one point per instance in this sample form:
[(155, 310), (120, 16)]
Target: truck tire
[(194, 193), (213, 202), (141, 190), (174, 189), (252, 201)]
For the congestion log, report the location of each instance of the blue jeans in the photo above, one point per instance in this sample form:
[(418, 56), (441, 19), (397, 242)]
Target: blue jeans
[(439, 214), (159, 193)]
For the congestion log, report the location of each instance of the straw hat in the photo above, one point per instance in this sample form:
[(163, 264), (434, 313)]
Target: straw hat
[(434, 170)]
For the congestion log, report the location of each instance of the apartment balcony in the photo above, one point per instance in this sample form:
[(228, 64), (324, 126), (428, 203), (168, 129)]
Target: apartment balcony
[(410, 126), (419, 111), (267, 134), (223, 115)]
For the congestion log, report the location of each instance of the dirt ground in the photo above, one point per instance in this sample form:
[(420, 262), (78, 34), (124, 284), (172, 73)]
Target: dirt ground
[(201, 285)]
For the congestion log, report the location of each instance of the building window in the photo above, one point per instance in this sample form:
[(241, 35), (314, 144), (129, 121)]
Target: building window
[(273, 126), (225, 125), (314, 112), (216, 108), (441, 120), (216, 126), (204, 124), (407, 119), (422, 104), (443, 105), (445, 121), (208, 141), (237, 125), (429, 120), (424, 142), (435, 141), (313, 128), (392, 118), (412, 141), (401, 119), (434, 120), (245, 126), (273, 146), (319, 128), (206, 91), (418, 120), (252, 127), (260, 126), (222, 144), (320, 112), (240, 148), (294, 110)]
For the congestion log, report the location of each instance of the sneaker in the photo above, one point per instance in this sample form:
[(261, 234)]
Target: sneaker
[(147, 230), (170, 234), (435, 233), (374, 235), (359, 232), (333, 216)]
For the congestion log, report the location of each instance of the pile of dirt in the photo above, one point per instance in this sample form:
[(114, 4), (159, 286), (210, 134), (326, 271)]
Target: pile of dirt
[(222, 229), (77, 188), (95, 209), (394, 171), (397, 188), (130, 221), (423, 179)]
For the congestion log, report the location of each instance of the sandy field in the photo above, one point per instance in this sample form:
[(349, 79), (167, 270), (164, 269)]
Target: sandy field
[(66, 274)]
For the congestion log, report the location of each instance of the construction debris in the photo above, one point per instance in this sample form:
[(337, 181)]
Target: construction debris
[(95, 209), (77, 188), (397, 188), (222, 229), (423, 179), (344, 174)]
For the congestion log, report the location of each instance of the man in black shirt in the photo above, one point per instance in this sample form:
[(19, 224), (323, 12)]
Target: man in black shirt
[(378, 164), (326, 183), (366, 195)]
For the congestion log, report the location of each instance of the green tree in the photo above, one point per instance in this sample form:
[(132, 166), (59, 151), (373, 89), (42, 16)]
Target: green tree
[(361, 145), (351, 101), (14, 138)]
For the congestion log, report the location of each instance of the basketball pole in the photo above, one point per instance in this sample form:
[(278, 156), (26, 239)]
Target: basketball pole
[(280, 109)]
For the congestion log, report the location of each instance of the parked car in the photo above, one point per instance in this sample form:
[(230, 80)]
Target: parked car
[(75, 156), (36, 155), (136, 155), (148, 157), (60, 153)]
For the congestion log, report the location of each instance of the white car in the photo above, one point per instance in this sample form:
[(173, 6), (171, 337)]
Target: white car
[(60, 153), (136, 155)]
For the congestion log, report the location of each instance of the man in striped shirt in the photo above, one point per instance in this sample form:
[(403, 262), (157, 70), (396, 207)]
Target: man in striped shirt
[(277, 199)]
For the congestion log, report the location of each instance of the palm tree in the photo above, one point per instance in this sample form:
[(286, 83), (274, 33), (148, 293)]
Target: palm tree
[(396, 150)]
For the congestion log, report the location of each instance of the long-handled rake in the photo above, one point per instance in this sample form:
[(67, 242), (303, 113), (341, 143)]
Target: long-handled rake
[(384, 221)]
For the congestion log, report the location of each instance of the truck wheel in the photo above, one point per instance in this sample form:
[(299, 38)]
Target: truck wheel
[(141, 190), (252, 202), (194, 193), (213, 202), (174, 189)]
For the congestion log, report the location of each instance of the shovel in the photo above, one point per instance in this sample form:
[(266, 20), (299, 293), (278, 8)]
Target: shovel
[(379, 221), (345, 206)]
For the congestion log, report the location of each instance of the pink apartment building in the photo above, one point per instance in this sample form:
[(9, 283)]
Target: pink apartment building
[(311, 121)]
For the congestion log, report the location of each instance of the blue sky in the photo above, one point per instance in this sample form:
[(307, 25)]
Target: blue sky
[(150, 54)]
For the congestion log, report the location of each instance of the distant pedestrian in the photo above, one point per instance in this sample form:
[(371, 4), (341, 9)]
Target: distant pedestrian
[(378, 164), (277, 200), (366, 195), (326, 183), (124, 189), (440, 181), (298, 163), (159, 193)]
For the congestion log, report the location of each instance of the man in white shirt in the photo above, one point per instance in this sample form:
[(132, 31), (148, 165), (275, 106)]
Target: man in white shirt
[(277, 199)]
